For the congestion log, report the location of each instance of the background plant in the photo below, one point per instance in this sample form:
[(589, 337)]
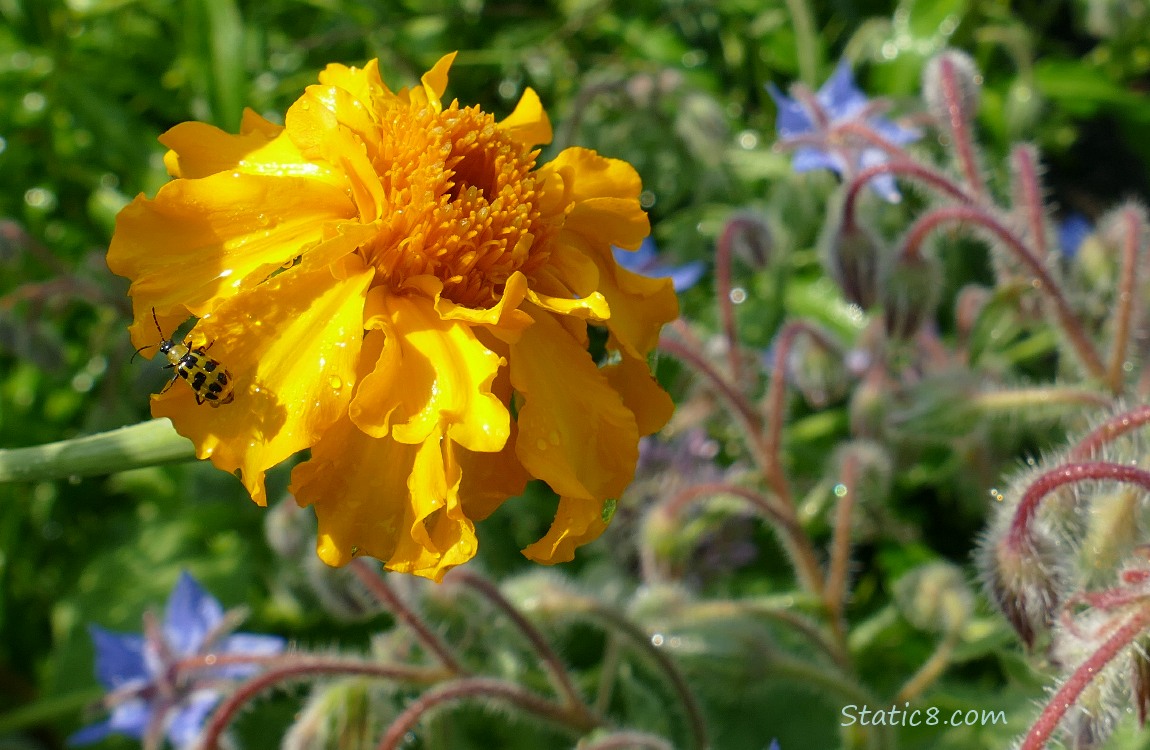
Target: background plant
[(677, 89)]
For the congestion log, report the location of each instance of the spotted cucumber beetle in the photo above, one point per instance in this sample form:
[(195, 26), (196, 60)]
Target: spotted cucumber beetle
[(209, 381)]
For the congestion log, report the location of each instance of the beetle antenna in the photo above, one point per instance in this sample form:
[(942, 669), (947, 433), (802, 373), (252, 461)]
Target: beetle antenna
[(157, 322), (137, 352)]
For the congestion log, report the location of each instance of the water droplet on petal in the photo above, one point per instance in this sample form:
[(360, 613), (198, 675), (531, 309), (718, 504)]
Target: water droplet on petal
[(541, 444), (554, 437), (335, 383)]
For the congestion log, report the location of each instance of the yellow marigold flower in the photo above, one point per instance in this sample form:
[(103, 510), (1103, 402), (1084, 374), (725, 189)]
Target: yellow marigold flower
[(394, 283)]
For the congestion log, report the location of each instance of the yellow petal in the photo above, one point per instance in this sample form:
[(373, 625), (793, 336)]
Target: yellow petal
[(435, 80), (439, 536), (611, 221), (574, 431), (576, 523), (291, 346), (363, 83), (358, 486), (434, 376), (593, 307), (528, 124), (640, 305), (490, 478), (503, 319), (408, 515), (331, 126), (641, 393), (596, 176), (199, 149), (262, 148), (201, 241)]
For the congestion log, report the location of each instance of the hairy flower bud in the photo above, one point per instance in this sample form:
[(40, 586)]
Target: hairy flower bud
[(816, 372), (344, 714), (1022, 581), (935, 597), (951, 84), (852, 254), (869, 405), (909, 293), (750, 239)]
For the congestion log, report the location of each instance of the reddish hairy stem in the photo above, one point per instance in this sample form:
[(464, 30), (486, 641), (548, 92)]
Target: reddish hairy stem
[(834, 596), (1127, 294), (959, 127), (723, 256), (642, 641), (1070, 324), (379, 588), (1027, 173), (1047, 722), (479, 688), (902, 168), (1062, 476), (628, 741), (776, 393), (736, 401), (307, 667), (551, 661), (795, 541), (1115, 427)]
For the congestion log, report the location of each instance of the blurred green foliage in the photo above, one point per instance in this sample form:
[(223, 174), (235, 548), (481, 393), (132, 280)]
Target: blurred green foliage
[(673, 86)]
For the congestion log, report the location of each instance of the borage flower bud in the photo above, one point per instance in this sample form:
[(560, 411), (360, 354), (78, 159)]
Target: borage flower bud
[(383, 277), (852, 254), (909, 292), (951, 84), (935, 597), (750, 239), (1022, 580), (816, 371)]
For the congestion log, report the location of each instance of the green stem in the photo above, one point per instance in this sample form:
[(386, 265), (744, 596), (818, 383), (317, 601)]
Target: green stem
[(806, 41), (144, 444), (43, 711)]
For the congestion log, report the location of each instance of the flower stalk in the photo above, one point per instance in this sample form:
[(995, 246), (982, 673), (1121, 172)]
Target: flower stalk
[(150, 443)]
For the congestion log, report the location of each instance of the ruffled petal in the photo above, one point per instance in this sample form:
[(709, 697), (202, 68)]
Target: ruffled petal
[(574, 431), (200, 242), (528, 124), (577, 522), (602, 196), (199, 149), (290, 346), (503, 319), (440, 536), (389, 500), (434, 377), (640, 306), (365, 83), (641, 393), (331, 126)]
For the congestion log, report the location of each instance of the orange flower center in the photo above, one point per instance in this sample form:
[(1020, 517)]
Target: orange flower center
[(460, 204)]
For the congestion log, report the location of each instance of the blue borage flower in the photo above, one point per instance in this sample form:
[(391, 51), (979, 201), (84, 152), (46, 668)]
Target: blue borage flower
[(837, 102), (1072, 232), (645, 261), (150, 689)]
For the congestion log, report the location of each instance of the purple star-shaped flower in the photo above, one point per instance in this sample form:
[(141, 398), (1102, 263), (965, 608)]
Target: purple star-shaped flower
[(815, 117), (645, 261), (1072, 232), (158, 680)]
